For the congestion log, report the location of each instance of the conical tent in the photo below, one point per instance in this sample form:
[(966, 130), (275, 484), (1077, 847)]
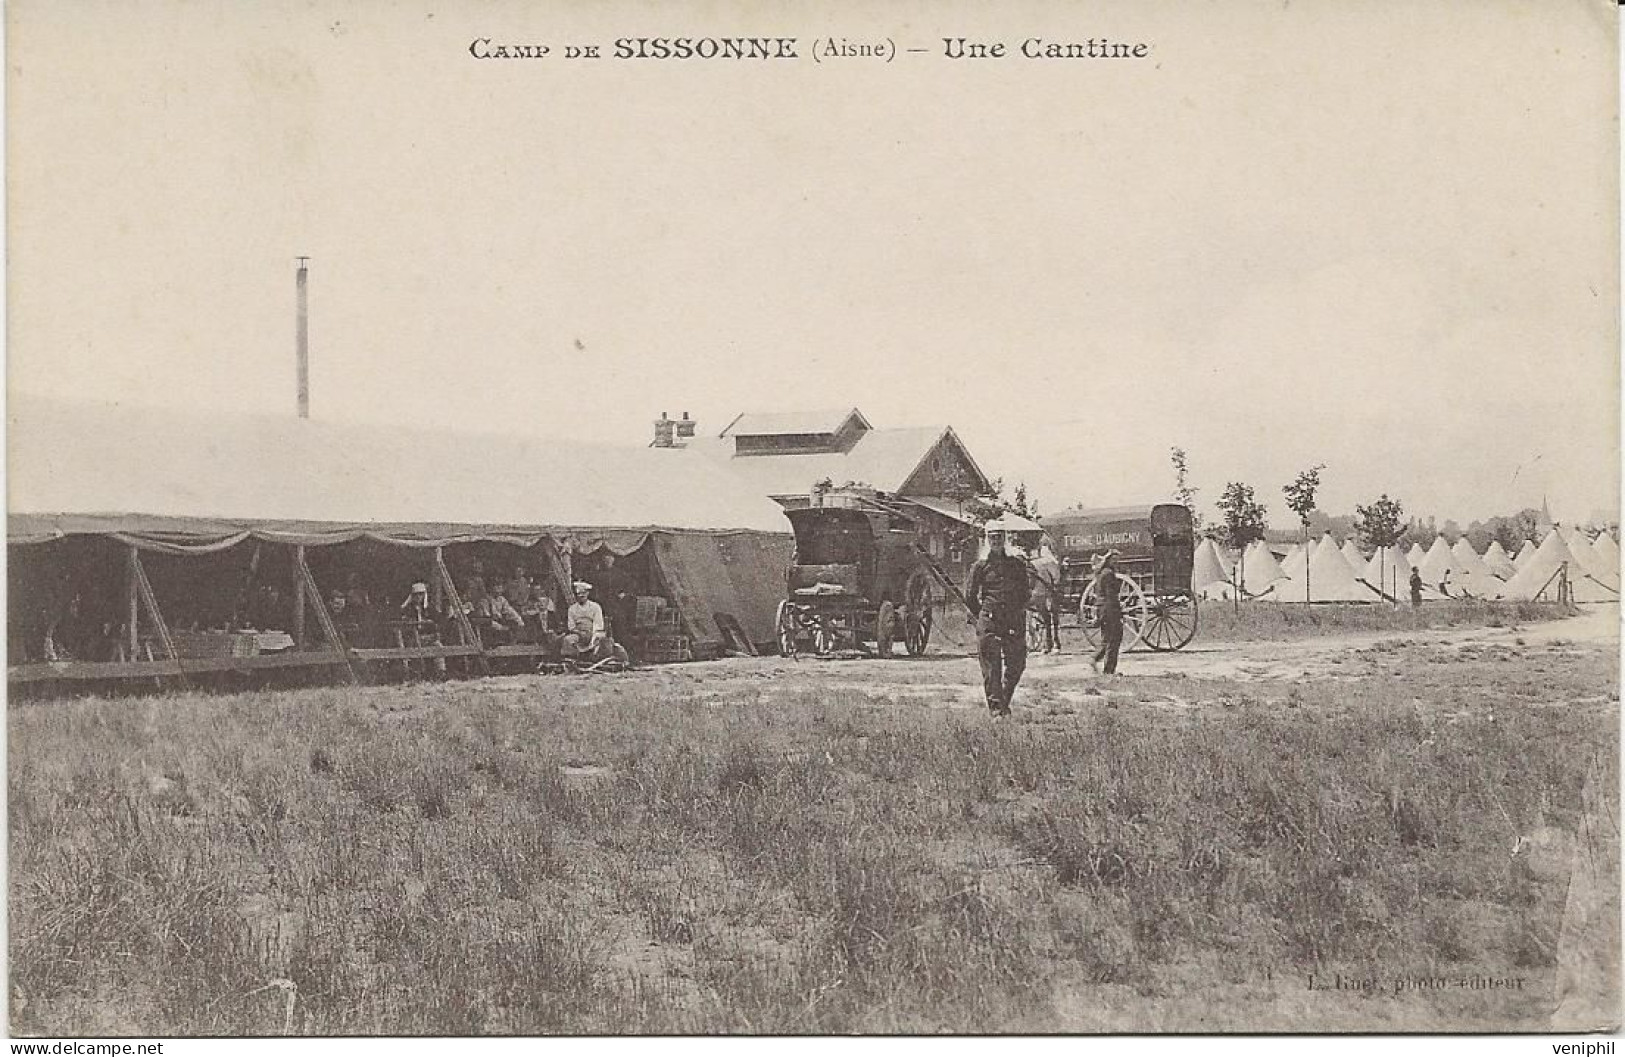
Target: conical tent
[(1596, 569), (1607, 553), (1525, 553), (1356, 560), (1330, 580), (1296, 560), (1466, 557), (1471, 576), (1539, 578), (1217, 591), (1415, 555), (1328, 544), (1580, 547), (1438, 562), (1496, 558), (1260, 570), (1207, 568), (1227, 559), (1390, 571)]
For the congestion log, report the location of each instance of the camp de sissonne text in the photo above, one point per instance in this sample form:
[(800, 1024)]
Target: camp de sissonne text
[(770, 48)]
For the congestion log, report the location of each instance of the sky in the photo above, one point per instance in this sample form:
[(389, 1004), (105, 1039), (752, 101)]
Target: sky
[(1380, 236)]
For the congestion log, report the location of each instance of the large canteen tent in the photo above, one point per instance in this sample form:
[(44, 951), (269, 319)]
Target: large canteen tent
[(139, 481)]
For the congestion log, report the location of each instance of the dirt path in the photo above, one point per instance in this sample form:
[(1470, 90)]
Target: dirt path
[(1312, 657), (944, 680)]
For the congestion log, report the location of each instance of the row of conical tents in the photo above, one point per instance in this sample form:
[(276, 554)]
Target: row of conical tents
[(1567, 562)]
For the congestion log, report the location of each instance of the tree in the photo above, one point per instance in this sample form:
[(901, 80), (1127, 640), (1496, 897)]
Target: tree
[(1378, 524), (1244, 516), (1300, 494), (1510, 531), (1527, 525), (1183, 492), (1018, 505), (1300, 498), (1418, 533)]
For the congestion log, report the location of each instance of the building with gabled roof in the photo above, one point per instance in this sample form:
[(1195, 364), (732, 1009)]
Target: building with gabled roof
[(791, 426), (787, 455)]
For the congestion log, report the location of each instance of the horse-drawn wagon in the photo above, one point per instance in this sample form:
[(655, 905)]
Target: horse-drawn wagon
[(1155, 547), (858, 577)]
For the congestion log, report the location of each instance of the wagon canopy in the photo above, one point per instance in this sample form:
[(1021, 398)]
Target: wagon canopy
[(183, 482), (1129, 530)]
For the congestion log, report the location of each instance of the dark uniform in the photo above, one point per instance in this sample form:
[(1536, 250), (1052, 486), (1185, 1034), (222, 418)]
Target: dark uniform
[(1416, 588), (997, 592), (1110, 609)]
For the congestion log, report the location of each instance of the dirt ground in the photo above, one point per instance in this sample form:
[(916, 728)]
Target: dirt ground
[(948, 676)]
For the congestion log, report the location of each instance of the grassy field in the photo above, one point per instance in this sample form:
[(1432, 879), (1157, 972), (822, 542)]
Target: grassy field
[(1253, 621), (743, 849)]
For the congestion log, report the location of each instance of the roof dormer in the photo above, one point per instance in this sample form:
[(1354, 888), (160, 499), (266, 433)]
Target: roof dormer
[(797, 432)]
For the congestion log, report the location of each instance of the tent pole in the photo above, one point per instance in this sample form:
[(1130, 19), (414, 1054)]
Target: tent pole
[(155, 615), (470, 636), (561, 574), (324, 619), (299, 596), (132, 605)]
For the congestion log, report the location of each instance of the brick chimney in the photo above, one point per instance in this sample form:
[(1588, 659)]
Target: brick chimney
[(686, 427), (665, 431)]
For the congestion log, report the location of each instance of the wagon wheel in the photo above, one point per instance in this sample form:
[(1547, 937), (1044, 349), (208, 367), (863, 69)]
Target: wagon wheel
[(789, 626), (1170, 622), (885, 626), (1130, 597), (917, 628)]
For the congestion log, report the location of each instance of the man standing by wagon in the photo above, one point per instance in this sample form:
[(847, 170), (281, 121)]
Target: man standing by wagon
[(997, 594), (1109, 609)]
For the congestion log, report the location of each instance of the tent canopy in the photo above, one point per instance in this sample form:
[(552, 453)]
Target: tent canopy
[(127, 465), (1259, 569), (179, 483), (1208, 567)]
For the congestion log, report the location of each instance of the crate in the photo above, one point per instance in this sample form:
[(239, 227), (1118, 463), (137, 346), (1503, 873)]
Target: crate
[(664, 649), (648, 610)]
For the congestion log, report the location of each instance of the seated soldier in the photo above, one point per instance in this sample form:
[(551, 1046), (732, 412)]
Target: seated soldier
[(415, 608), (498, 621), (586, 635), (355, 594), (473, 587), (346, 618), (518, 588), (537, 608)]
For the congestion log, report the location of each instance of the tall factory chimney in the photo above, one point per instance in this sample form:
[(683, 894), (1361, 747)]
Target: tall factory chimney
[(302, 337)]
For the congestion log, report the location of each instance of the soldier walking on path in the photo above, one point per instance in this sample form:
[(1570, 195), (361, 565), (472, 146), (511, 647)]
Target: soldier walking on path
[(1109, 607), (997, 594)]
